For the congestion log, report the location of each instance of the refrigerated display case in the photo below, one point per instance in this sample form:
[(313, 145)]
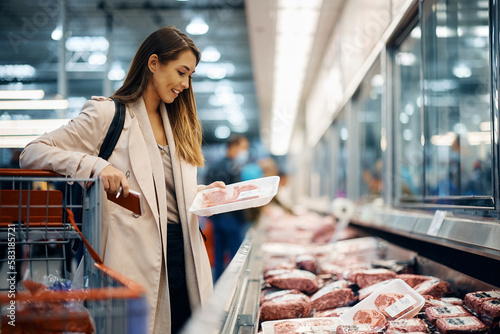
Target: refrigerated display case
[(234, 306)]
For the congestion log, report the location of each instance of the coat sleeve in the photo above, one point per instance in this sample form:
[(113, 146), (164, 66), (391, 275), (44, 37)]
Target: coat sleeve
[(72, 149)]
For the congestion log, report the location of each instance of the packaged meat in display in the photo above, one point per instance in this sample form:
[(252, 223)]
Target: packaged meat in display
[(363, 293), (302, 280), (355, 329), (474, 300), (307, 262), (384, 300), (393, 331), (405, 308), (461, 325), (236, 196), (336, 312), (365, 278), (375, 319), (331, 296), (311, 325), (270, 294), (452, 300), (490, 312), (413, 325), (414, 280), (431, 301), (276, 272), (324, 233), (454, 311), (434, 287), (288, 306)]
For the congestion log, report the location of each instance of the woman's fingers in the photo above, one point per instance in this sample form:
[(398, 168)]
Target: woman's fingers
[(112, 178), (217, 184), (124, 184)]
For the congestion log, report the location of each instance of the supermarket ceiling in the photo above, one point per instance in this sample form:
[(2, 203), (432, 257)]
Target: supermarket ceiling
[(233, 84), (107, 33)]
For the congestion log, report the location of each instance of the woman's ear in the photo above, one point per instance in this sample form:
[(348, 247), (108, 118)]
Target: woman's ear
[(153, 62)]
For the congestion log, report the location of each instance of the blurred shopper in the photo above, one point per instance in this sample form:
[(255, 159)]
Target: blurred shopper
[(157, 154), (229, 227)]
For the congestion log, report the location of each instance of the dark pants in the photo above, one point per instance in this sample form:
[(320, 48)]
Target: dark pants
[(180, 310), (229, 231)]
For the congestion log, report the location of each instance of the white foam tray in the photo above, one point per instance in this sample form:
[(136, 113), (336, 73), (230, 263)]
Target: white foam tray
[(267, 189)]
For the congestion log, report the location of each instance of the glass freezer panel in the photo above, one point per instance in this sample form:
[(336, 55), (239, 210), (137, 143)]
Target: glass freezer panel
[(368, 107), (456, 98), (409, 154)]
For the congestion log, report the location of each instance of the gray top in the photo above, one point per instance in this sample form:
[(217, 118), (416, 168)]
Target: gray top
[(172, 213)]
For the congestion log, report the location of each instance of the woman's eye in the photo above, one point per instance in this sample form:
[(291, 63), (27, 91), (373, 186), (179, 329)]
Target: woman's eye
[(181, 73)]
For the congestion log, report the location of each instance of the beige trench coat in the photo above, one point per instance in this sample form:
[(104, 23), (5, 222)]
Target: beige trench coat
[(130, 245)]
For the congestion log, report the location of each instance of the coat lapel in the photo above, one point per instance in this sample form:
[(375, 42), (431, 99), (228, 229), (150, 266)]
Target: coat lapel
[(156, 188), (140, 166)]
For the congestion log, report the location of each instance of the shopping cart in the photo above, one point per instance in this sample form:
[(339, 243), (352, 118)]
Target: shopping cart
[(41, 215)]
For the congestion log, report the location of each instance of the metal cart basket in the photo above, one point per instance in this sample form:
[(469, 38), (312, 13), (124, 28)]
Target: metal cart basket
[(41, 215)]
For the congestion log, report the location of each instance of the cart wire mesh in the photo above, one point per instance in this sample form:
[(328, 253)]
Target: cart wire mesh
[(52, 283)]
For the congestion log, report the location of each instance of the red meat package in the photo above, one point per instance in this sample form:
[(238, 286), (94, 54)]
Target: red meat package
[(236, 196)]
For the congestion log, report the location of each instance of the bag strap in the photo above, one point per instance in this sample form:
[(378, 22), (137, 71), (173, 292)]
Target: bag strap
[(114, 131)]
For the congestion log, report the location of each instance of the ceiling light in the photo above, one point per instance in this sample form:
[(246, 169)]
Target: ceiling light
[(87, 43), (116, 73), (22, 94), (485, 126), (17, 72), (407, 135), (236, 118), (444, 32), (444, 140), (241, 127), (15, 141), (217, 73), (97, 59), (462, 71), (377, 80), (210, 54), (57, 34), (30, 126), (405, 58), (34, 105), (296, 24), (478, 138), (222, 132), (197, 26)]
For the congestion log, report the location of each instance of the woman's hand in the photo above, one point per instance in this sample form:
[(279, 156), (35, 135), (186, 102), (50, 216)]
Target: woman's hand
[(112, 178), (216, 184)]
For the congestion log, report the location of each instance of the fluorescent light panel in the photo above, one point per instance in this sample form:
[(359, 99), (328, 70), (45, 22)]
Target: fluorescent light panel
[(34, 105), (30, 126), (15, 141), (296, 25), (21, 94)]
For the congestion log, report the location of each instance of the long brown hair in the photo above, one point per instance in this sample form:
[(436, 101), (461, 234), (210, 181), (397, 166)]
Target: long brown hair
[(167, 43)]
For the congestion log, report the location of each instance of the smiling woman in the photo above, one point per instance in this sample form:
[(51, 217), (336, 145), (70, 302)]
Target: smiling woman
[(158, 152)]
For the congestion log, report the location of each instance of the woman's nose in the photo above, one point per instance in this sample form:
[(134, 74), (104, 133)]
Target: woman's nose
[(185, 83)]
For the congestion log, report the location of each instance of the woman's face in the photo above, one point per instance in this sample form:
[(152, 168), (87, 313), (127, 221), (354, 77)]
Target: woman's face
[(170, 79)]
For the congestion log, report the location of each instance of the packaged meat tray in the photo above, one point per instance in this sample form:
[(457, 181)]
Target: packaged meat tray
[(461, 325), (405, 307), (300, 325), (236, 196), (474, 300), (452, 311)]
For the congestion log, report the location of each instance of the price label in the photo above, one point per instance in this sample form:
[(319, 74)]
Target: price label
[(436, 223), (400, 306)]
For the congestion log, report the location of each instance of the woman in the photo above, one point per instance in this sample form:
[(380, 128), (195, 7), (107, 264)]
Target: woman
[(158, 153)]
